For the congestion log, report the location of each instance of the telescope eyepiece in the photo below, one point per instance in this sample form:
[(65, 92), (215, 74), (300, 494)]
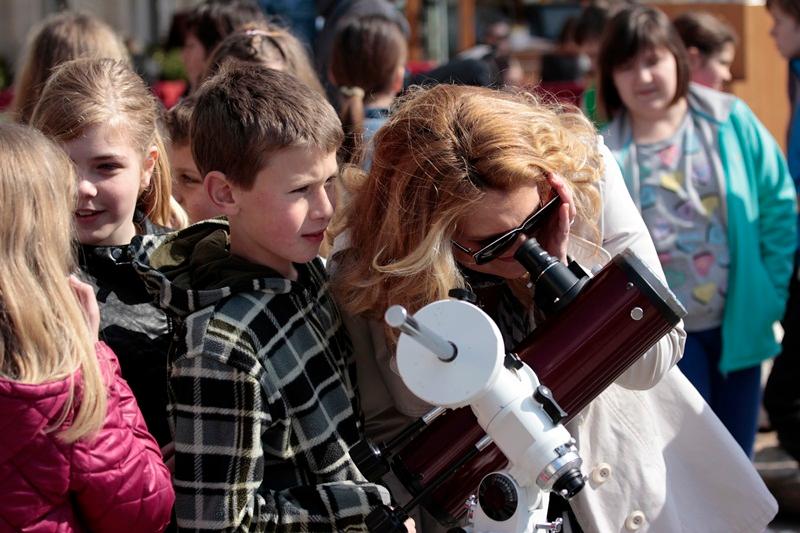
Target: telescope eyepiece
[(555, 284)]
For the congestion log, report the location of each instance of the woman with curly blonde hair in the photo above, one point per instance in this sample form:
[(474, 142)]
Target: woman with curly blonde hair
[(460, 178)]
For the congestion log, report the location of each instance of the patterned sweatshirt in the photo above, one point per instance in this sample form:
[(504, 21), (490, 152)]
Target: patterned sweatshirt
[(262, 392)]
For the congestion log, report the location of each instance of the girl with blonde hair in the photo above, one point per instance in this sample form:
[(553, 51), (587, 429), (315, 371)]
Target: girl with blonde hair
[(460, 178), (105, 117), (268, 45), (60, 38), (62, 399)]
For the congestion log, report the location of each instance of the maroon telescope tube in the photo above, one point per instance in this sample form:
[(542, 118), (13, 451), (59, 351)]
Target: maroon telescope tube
[(614, 318)]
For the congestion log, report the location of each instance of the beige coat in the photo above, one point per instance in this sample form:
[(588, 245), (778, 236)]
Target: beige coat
[(657, 458)]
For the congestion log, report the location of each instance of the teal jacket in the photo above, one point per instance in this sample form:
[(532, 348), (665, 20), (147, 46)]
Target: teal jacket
[(759, 209)]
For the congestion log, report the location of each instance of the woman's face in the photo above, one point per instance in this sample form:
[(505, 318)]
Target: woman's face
[(498, 213), (647, 82), (713, 70)]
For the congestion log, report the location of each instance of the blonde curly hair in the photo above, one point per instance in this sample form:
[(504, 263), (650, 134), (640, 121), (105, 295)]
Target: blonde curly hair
[(433, 160)]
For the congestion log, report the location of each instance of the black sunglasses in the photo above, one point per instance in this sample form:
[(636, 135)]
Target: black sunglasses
[(500, 244)]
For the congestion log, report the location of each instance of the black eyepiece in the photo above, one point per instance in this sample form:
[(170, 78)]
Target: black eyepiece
[(555, 283)]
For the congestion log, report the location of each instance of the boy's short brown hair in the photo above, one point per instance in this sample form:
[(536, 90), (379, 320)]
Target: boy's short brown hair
[(247, 112), (178, 121), (790, 7)]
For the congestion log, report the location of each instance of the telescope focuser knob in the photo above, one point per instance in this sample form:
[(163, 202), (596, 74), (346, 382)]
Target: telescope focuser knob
[(384, 519), (465, 295), (544, 396), (370, 460), (513, 362)]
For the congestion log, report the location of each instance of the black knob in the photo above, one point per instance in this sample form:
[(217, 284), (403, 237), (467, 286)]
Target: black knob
[(544, 396), (370, 460), (497, 496), (384, 519), (465, 295), (513, 362), (569, 484)]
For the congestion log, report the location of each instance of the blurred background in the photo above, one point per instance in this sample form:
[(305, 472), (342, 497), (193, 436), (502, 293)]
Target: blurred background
[(439, 30)]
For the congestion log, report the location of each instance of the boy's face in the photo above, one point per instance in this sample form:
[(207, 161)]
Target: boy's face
[(187, 185), (785, 32), (194, 55), (283, 218)]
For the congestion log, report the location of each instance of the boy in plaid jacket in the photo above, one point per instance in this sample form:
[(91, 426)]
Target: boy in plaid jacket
[(261, 383)]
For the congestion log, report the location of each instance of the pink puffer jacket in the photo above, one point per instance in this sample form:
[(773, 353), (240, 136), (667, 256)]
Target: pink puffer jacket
[(116, 481)]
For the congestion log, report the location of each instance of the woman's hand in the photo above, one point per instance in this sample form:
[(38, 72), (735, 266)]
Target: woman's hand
[(88, 302), (555, 236)]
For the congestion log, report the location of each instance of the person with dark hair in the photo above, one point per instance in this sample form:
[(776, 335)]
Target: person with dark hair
[(336, 13), (207, 25), (711, 45), (368, 66), (494, 49), (587, 31), (782, 395), (714, 190)]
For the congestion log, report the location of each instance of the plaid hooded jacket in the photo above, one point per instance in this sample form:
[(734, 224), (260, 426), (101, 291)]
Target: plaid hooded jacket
[(262, 392)]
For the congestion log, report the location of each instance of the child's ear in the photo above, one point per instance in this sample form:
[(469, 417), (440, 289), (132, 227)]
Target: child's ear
[(220, 192), (148, 166), (399, 78), (695, 57)]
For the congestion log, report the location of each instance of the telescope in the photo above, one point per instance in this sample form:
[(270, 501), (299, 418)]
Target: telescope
[(495, 446)]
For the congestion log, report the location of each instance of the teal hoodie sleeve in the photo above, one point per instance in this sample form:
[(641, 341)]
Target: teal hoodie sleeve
[(776, 198)]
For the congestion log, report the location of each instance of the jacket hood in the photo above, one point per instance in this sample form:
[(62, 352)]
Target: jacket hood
[(193, 269), (27, 410), (714, 105)]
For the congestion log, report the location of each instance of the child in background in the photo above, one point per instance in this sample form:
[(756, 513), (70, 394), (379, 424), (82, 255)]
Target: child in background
[(782, 395), (716, 195), (368, 66), (59, 38), (269, 46), (104, 117), (187, 183), (75, 454), (587, 34), (209, 23), (262, 384), (711, 45)]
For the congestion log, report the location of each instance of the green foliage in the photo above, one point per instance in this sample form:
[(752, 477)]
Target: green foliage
[(170, 63)]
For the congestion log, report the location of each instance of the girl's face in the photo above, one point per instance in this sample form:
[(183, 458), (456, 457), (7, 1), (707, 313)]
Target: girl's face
[(785, 32), (647, 82), (497, 213), (111, 175), (714, 70)]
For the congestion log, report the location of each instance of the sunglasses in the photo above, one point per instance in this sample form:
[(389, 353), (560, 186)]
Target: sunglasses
[(500, 244)]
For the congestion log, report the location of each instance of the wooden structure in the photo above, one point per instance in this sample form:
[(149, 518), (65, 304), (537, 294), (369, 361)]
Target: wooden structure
[(759, 72)]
